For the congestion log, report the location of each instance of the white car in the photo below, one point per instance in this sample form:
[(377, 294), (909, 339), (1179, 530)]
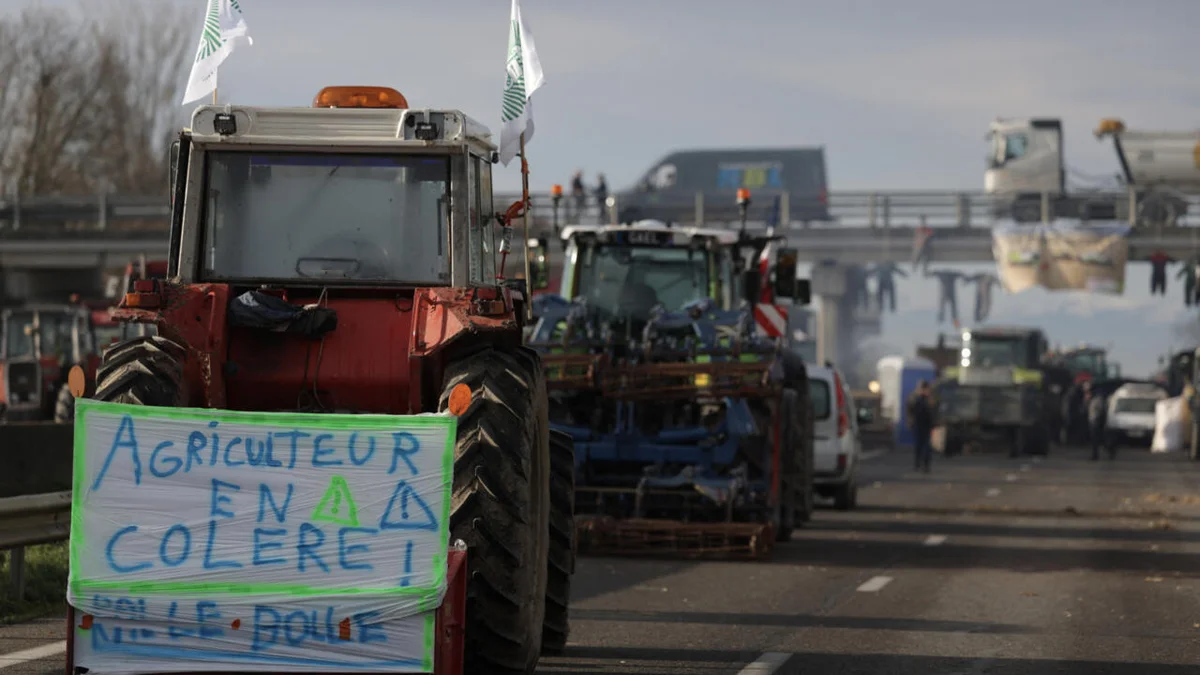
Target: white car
[(836, 445), (1131, 414)]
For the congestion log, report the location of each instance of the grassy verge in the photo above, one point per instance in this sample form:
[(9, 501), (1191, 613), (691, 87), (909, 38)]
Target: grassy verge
[(45, 583)]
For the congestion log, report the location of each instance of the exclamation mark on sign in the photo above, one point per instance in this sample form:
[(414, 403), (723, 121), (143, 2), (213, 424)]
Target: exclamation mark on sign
[(337, 502), (408, 548)]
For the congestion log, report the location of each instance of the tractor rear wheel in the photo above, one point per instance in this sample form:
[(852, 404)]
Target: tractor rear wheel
[(501, 506), (790, 465), (64, 406), (557, 627), (146, 370), (803, 419)]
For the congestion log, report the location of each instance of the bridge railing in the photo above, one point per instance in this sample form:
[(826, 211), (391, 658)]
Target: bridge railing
[(25, 216)]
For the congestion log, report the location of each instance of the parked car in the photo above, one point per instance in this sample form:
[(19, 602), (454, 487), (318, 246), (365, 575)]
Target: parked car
[(1131, 414), (836, 445)]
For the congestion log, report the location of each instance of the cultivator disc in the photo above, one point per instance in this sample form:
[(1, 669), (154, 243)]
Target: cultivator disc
[(668, 538)]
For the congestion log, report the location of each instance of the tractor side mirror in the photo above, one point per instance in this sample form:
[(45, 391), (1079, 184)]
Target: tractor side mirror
[(751, 286), (539, 264), (803, 292), (785, 273)]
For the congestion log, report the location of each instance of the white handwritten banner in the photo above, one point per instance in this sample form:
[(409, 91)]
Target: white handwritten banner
[(207, 540)]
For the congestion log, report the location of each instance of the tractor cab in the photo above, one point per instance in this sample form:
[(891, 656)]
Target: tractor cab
[(309, 221), (39, 344)]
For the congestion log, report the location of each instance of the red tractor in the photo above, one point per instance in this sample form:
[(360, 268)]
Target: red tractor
[(41, 343), (345, 258)]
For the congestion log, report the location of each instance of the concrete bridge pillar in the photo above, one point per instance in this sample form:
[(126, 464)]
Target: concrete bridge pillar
[(829, 285)]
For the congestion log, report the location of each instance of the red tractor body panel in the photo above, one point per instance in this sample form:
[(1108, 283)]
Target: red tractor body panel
[(375, 361)]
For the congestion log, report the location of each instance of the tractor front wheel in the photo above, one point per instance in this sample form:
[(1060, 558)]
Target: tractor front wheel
[(146, 370), (501, 506), (562, 543), (64, 406)]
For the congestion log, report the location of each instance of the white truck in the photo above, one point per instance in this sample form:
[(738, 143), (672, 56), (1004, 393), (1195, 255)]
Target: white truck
[(1027, 173)]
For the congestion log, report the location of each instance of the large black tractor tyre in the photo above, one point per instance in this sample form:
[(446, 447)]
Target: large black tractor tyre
[(146, 370), (795, 478), (64, 405), (501, 506), (561, 562)]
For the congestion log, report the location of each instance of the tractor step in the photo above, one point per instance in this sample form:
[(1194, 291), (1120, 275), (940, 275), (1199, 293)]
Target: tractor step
[(605, 535)]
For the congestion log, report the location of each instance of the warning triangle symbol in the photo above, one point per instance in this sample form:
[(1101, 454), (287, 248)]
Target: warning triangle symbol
[(406, 510), (337, 506)]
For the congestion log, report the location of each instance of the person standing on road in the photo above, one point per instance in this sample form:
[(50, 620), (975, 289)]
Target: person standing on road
[(920, 416), (1158, 272), (1188, 274), (601, 193), (1097, 411)]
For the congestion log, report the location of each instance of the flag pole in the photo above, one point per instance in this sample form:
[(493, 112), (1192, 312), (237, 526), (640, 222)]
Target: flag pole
[(525, 228)]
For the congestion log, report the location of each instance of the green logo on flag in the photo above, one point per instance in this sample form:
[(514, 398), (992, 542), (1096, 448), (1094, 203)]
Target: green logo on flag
[(513, 103)]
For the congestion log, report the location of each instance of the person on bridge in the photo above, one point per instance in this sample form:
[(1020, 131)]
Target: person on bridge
[(920, 418), (1158, 272), (885, 283), (949, 293), (983, 293), (601, 193)]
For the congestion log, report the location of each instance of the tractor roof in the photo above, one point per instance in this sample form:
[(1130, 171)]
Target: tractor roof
[(653, 227), (390, 127), (1004, 331)]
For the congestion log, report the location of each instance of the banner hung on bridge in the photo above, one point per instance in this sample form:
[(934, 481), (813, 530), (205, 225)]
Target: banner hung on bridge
[(1062, 257), (213, 540)]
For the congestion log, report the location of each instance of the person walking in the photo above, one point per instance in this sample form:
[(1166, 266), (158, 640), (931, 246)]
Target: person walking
[(1097, 409), (920, 419), (1188, 274)]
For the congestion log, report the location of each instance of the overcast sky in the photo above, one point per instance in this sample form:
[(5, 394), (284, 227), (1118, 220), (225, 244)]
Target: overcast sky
[(900, 94)]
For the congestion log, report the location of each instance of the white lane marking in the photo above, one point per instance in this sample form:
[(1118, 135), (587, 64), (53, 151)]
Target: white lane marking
[(1012, 477), (935, 540), (766, 664), (874, 584), (993, 492), (872, 454), (27, 655), (1024, 467)]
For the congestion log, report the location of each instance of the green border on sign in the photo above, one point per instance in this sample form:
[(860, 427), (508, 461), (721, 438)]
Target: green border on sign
[(429, 596)]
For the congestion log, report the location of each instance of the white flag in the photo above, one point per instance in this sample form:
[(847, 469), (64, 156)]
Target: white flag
[(224, 28), (524, 76)]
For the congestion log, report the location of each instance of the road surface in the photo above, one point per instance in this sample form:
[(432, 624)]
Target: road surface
[(986, 566)]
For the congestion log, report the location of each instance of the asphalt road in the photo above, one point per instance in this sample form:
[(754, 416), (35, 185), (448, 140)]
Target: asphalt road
[(986, 566)]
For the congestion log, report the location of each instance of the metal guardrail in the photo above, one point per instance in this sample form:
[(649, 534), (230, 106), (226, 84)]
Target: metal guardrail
[(28, 521), (32, 216)]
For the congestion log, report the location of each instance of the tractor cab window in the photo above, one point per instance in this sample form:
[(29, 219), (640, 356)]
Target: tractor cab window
[(56, 333), (993, 353), (620, 280), (18, 336), (325, 217), (1015, 146), (1092, 363)]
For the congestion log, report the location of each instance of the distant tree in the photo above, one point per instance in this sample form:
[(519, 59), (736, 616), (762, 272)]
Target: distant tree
[(90, 96)]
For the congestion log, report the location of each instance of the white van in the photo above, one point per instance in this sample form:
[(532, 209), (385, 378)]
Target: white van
[(836, 446), (1131, 414)]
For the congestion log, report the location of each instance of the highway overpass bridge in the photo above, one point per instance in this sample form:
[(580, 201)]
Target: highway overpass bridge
[(51, 247)]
